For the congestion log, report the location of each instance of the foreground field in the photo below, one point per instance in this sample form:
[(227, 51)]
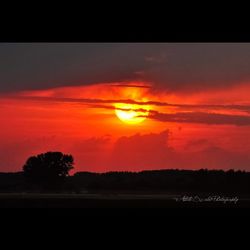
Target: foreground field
[(23, 200)]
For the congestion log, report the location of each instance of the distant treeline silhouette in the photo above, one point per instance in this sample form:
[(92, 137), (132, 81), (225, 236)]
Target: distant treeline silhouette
[(167, 180), (207, 181), (49, 172)]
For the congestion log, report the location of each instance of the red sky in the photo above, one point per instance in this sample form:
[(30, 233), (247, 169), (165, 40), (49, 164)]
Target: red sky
[(192, 100), (183, 129)]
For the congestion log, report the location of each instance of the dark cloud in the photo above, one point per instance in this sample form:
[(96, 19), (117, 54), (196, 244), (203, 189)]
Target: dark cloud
[(130, 86), (26, 66), (84, 100), (172, 67), (200, 66), (202, 118)]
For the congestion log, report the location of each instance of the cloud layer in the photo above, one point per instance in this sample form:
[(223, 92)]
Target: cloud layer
[(172, 67), (210, 114), (153, 151)]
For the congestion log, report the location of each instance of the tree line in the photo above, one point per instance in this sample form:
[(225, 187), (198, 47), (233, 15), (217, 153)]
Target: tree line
[(50, 172)]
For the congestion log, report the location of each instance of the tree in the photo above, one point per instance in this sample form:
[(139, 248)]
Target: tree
[(48, 170)]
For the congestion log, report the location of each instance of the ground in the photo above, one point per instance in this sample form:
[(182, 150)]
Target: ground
[(106, 200)]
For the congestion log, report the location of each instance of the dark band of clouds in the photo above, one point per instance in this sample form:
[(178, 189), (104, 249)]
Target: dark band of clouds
[(84, 100), (244, 108), (169, 66), (201, 118), (130, 86)]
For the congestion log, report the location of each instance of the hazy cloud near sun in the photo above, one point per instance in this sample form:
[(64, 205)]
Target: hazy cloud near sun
[(172, 67), (130, 153), (144, 151), (154, 151)]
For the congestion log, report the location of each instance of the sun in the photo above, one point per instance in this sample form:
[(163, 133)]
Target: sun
[(131, 113)]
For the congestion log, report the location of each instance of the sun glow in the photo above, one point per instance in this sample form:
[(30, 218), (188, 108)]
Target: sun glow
[(131, 113)]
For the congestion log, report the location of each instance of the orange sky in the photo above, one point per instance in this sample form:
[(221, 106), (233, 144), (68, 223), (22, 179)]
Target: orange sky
[(207, 129)]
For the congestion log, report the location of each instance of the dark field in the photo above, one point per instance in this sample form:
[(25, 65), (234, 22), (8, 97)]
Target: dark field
[(111, 201), (156, 192)]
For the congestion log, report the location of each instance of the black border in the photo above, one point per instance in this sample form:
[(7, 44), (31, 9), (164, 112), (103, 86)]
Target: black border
[(103, 32)]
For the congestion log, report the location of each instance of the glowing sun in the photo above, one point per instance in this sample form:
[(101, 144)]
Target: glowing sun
[(131, 113)]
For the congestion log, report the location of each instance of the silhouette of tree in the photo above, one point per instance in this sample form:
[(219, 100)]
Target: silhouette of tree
[(48, 170)]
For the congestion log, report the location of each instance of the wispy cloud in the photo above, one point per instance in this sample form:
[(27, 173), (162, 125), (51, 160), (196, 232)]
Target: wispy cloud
[(131, 86), (195, 115), (244, 108)]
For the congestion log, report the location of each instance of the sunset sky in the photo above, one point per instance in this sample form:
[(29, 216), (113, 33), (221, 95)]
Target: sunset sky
[(126, 106)]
